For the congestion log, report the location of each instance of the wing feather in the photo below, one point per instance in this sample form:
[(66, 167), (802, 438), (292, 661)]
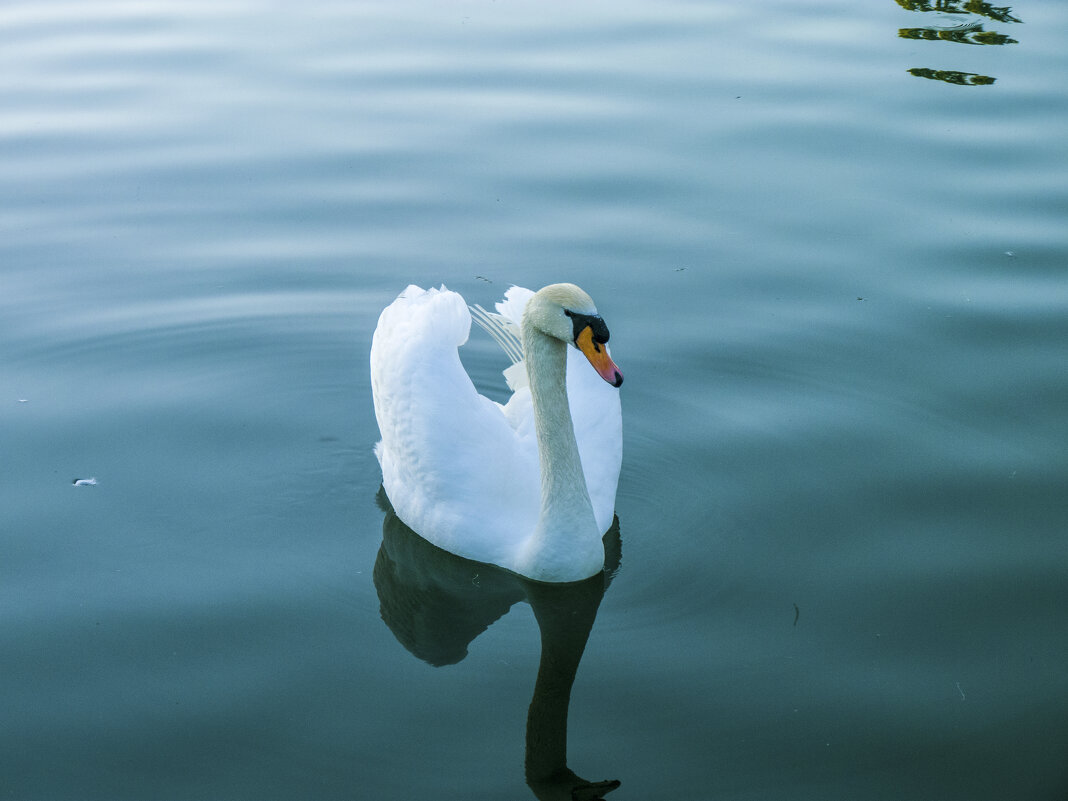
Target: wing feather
[(452, 464)]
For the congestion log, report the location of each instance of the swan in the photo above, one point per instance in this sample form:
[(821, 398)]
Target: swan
[(528, 485)]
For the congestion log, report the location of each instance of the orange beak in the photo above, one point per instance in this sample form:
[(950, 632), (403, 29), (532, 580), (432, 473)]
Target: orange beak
[(597, 353)]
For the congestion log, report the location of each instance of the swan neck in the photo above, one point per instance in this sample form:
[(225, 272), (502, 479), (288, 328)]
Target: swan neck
[(557, 446), (566, 538)]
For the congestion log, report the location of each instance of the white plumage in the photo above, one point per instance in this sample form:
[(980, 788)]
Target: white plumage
[(463, 471)]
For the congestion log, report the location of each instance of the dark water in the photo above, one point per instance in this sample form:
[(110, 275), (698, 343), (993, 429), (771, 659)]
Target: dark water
[(830, 241)]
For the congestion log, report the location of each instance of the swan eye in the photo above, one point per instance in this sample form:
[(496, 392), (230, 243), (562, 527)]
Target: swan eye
[(580, 322)]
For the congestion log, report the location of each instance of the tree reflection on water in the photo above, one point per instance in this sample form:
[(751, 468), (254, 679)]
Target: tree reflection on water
[(956, 7), (974, 36), (952, 76), (970, 32)]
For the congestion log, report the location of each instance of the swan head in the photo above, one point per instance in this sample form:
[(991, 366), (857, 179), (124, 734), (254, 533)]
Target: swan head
[(567, 313)]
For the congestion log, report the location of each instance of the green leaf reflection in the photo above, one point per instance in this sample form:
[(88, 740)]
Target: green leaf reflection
[(970, 33), (972, 36), (953, 76), (996, 13)]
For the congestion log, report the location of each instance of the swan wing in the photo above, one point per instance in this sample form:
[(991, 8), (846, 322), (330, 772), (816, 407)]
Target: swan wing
[(454, 466)]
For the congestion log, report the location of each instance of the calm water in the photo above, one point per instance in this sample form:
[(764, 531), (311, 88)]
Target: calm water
[(830, 241)]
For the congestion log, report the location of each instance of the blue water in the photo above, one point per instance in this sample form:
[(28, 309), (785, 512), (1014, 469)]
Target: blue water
[(832, 259)]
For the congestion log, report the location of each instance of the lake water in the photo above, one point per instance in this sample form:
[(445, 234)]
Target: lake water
[(830, 241)]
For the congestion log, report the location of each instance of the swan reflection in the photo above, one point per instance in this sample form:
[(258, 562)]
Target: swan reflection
[(436, 604)]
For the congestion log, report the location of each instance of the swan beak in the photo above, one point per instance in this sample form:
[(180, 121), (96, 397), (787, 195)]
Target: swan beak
[(597, 353)]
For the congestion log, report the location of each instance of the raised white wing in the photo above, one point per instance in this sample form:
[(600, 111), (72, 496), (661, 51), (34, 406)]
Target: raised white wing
[(454, 468)]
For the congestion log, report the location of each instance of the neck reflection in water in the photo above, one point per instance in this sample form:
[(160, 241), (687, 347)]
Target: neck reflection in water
[(436, 604)]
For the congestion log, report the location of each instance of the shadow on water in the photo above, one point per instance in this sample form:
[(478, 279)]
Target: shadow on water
[(966, 27), (436, 604)]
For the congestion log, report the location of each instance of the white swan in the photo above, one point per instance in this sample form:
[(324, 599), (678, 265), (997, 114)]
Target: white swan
[(529, 485)]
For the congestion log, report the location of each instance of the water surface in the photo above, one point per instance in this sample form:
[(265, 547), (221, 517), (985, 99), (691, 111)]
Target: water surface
[(833, 267)]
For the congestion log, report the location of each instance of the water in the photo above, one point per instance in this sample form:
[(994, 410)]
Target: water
[(833, 267)]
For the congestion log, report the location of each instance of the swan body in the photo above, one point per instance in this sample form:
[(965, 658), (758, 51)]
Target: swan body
[(528, 485)]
